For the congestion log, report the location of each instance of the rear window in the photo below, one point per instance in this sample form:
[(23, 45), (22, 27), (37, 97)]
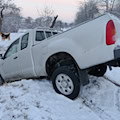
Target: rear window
[(40, 36), (48, 34)]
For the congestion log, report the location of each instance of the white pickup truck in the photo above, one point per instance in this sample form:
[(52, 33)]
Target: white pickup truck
[(66, 58)]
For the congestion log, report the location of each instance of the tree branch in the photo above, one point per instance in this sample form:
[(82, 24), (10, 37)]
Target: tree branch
[(53, 23), (1, 12), (112, 5)]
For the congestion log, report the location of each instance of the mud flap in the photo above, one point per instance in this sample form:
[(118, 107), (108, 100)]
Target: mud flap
[(83, 74)]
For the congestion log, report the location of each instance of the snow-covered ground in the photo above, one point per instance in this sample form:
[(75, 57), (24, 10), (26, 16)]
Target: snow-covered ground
[(36, 100)]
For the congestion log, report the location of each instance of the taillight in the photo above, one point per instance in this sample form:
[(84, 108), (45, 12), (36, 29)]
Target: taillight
[(110, 33)]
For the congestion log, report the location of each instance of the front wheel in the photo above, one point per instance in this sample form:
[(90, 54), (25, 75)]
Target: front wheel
[(65, 82)]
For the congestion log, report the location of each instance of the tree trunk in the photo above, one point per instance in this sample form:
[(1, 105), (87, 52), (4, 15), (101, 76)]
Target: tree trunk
[(1, 17), (107, 5), (0, 25), (113, 5)]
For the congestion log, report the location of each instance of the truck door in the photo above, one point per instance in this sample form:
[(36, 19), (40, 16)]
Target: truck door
[(10, 65), (39, 50), (25, 57)]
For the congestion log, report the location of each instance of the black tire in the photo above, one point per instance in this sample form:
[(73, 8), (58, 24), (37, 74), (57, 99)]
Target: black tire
[(74, 79), (98, 71)]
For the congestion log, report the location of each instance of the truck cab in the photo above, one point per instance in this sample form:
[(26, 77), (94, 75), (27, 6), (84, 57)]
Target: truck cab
[(14, 63)]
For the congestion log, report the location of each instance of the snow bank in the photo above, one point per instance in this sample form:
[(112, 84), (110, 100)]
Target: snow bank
[(113, 75)]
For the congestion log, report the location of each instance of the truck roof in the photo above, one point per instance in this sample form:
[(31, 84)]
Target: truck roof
[(41, 29), (47, 28)]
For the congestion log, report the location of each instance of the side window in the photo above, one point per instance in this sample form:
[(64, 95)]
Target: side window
[(54, 33), (40, 36), (24, 41), (48, 34), (12, 49)]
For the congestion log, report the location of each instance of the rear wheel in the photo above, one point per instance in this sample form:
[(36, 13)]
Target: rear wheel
[(65, 82)]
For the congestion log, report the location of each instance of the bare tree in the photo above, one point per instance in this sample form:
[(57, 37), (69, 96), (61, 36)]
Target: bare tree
[(12, 22), (107, 5), (6, 6), (112, 6), (116, 10), (87, 10), (47, 12), (46, 17), (1, 17)]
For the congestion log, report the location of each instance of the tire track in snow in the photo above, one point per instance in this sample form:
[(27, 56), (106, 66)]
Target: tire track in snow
[(118, 99), (97, 110), (116, 84), (117, 93)]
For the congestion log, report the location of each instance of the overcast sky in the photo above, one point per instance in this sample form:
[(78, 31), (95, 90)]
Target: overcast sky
[(66, 9)]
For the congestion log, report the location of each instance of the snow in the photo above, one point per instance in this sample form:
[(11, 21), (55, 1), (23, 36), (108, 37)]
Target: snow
[(36, 100), (103, 97), (113, 75)]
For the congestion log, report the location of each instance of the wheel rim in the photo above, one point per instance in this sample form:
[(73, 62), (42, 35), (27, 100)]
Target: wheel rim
[(64, 84)]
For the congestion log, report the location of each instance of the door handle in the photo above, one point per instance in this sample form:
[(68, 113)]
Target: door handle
[(15, 57)]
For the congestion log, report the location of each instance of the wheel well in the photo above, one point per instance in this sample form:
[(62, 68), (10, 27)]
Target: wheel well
[(57, 60)]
